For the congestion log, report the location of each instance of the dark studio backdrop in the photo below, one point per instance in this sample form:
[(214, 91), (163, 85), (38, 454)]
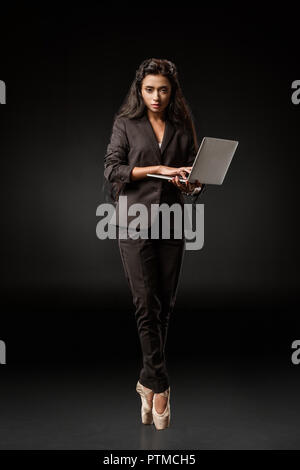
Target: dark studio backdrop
[(64, 297)]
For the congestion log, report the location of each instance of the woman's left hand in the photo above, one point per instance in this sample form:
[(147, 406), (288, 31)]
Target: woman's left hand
[(185, 187)]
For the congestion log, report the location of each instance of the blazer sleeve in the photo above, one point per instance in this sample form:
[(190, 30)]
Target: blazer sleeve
[(192, 152), (116, 166)]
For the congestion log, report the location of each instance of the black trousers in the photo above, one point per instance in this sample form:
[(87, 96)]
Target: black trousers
[(152, 268)]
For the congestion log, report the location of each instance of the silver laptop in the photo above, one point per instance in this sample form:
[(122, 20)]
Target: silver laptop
[(211, 162)]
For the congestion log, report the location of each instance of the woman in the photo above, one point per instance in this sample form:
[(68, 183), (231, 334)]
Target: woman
[(153, 132)]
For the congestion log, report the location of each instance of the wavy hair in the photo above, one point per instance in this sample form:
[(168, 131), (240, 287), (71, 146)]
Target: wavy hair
[(177, 111)]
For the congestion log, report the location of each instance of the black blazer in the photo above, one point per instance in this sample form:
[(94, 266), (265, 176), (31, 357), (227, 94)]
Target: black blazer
[(133, 143)]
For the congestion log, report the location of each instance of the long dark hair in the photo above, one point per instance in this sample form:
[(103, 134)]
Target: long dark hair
[(177, 111)]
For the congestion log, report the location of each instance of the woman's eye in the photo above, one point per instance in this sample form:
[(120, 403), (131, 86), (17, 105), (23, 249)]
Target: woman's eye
[(149, 90)]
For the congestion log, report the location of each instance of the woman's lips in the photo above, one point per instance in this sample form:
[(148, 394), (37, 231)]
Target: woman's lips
[(156, 105)]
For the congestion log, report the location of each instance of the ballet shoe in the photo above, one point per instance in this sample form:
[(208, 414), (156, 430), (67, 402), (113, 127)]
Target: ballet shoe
[(162, 420), (146, 409)]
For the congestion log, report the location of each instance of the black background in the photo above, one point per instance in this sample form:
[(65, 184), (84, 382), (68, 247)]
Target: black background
[(64, 297)]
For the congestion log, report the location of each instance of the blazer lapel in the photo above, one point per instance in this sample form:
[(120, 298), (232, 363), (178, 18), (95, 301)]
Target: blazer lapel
[(168, 134), (147, 128)]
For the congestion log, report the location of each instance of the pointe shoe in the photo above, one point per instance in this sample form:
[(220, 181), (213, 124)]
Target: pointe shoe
[(146, 409), (162, 420)]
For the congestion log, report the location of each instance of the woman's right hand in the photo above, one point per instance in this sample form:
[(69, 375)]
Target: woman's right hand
[(182, 171)]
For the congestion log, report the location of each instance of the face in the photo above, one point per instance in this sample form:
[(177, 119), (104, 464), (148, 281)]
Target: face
[(156, 92)]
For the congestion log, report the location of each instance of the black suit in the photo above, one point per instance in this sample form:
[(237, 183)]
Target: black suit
[(152, 266), (133, 143)]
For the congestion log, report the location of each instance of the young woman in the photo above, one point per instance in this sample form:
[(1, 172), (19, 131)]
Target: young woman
[(153, 132)]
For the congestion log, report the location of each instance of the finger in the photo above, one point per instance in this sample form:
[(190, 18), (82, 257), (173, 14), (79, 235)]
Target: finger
[(177, 182), (182, 186)]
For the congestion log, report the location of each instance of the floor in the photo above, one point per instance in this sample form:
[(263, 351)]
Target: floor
[(216, 406)]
